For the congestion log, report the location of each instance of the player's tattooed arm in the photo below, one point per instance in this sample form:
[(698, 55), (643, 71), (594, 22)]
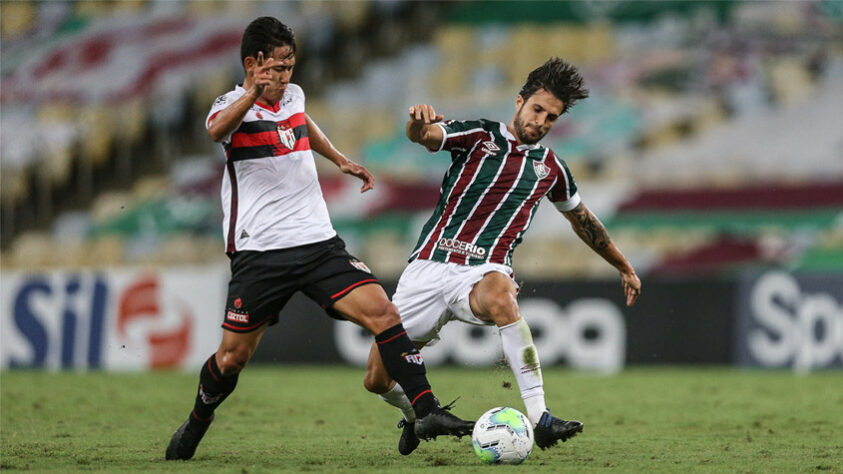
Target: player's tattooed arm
[(422, 128), (589, 228)]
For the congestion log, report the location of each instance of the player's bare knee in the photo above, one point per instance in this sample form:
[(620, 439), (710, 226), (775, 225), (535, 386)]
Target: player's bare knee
[(233, 361), (383, 317), (375, 383), (502, 309)]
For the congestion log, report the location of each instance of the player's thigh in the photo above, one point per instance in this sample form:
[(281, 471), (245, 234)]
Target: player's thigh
[(421, 300), (493, 299), (261, 284), (368, 306)]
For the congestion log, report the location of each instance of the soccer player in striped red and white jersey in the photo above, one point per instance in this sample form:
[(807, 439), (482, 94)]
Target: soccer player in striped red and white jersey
[(280, 239), (461, 266)]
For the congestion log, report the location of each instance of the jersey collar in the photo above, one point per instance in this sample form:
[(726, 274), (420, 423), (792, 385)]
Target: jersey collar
[(511, 137), (272, 108)]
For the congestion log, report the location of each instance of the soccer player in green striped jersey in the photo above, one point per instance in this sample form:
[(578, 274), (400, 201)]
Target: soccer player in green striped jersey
[(461, 266)]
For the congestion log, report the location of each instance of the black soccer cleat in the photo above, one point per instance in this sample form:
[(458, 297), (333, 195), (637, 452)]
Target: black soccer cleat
[(441, 421), (409, 441), (551, 429), (185, 440)]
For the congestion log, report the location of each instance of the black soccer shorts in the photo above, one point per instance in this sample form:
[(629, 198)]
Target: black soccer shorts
[(263, 282)]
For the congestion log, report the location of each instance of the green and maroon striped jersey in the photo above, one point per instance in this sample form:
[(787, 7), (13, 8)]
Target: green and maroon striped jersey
[(490, 194)]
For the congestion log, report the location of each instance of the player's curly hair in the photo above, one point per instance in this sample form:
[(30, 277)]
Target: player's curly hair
[(264, 34), (560, 79)]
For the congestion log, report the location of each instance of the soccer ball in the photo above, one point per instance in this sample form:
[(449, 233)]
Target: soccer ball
[(503, 435)]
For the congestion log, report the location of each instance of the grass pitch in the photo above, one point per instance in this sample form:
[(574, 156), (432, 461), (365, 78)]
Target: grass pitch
[(318, 418)]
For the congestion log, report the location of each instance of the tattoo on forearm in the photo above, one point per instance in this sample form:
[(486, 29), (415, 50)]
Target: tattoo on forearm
[(589, 228)]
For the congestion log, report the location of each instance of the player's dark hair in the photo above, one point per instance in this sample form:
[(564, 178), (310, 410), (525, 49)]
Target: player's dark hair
[(264, 34), (560, 79)]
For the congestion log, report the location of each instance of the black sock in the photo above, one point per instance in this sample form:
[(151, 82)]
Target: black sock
[(405, 365), (214, 387)]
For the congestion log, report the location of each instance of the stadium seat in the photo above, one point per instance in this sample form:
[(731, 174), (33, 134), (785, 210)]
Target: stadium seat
[(17, 18), (105, 251), (31, 250), (97, 134), (92, 8), (109, 204)]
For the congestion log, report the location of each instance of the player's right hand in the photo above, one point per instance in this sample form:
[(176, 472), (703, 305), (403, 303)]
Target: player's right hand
[(631, 286), (423, 113), (261, 76)]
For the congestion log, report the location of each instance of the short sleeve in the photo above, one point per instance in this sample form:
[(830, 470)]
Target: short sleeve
[(294, 93), (218, 106), (563, 194), (460, 135)]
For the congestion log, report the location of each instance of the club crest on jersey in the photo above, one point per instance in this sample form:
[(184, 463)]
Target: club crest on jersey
[(360, 266), (490, 147), (287, 136), (541, 169)]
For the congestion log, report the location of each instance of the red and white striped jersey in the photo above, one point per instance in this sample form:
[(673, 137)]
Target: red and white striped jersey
[(490, 194), (271, 198)]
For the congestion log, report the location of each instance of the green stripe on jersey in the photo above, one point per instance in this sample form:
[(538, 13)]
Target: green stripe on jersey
[(491, 229), (492, 165), (506, 214)]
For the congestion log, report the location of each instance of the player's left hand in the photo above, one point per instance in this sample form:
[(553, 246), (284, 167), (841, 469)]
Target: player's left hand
[(631, 286), (354, 169)]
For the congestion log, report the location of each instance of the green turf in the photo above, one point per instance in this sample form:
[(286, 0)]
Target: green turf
[(315, 418)]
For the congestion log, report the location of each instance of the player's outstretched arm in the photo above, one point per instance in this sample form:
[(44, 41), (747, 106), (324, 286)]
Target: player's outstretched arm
[(320, 143), (229, 118), (421, 126), (589, 228)]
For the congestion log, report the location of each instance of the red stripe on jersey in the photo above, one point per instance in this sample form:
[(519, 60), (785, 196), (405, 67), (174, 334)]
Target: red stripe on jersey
[(232, 211), (497, 192), (469, 171), (241, 140), (498, 254), (296, 120)]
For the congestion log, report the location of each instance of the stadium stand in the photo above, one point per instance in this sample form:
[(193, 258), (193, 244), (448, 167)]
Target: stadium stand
[(711, 142)]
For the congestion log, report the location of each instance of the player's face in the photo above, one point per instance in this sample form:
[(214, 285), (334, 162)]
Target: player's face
[(281, 72), (536, 116)]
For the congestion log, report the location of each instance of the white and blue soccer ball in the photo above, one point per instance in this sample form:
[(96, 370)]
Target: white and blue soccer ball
[(503, 435)]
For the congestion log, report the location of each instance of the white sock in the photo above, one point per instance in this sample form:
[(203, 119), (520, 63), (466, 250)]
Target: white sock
[(524, 361), (397, 398)]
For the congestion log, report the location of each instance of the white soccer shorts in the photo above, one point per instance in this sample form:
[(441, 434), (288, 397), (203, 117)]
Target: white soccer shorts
[(430, 294)]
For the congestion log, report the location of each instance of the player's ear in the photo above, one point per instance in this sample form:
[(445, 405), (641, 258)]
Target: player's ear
[(519, 101), (249, 62)]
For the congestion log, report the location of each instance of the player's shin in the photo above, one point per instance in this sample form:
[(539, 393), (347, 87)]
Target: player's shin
[(214, 387), (523, 359), (397, 398), (405, 365)]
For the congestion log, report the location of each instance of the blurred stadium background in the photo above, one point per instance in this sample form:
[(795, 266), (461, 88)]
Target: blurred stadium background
[(711, 147)]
